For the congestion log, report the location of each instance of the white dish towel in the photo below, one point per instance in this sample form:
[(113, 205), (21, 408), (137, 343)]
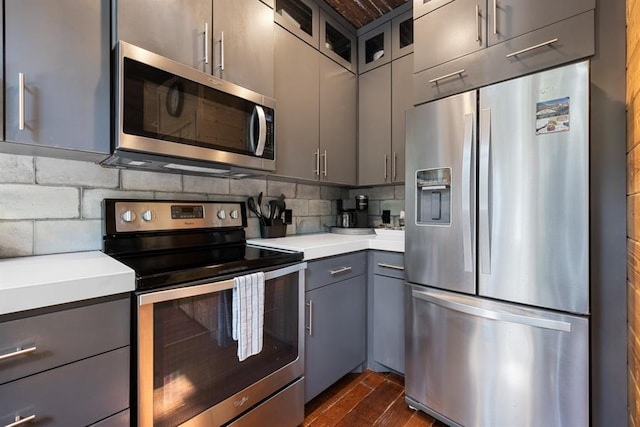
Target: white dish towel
[(248, 314)]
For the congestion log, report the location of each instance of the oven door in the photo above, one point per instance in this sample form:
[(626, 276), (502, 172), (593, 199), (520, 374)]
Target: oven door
[(188, 368)]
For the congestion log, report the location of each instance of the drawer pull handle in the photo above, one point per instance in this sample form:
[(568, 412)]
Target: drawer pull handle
[(391, 266), (547, 43), (455, 73), (19, 352), (340, 270), (20, 421)]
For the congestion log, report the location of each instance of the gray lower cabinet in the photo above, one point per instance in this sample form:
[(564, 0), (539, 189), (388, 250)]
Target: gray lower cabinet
[(386, 311), (67, 367), (335, 320), (57, 74)]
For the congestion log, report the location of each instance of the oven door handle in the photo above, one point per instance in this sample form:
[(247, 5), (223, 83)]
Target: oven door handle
[(208, 288)]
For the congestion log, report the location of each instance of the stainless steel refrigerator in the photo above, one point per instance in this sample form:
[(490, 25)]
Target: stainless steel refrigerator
[(497, 253)]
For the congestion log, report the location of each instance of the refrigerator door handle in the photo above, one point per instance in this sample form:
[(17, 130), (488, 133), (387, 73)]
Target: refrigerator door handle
[(451, 304), (466, 192), (484, 227)]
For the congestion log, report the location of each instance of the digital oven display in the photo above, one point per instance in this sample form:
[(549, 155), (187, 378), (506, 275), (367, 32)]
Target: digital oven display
[(186, 212)]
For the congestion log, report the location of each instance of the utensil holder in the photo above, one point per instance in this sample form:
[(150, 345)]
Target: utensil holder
[(276, 228)]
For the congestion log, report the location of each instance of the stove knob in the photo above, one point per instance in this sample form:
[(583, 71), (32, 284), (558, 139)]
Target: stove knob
[(222, 214), (234, 214), (147, 215), (128, 216)]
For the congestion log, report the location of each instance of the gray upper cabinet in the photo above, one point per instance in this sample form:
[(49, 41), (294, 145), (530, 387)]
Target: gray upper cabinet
[(233, 39), (300, 17), (57, 58), (374, 48), (179, 30), (243, 44), (384, 96), (338, 94), (298, 95), (401, 101), (402, 35), (510, 18), (453, 30), (316, 131), (337, 43), (374, 126)]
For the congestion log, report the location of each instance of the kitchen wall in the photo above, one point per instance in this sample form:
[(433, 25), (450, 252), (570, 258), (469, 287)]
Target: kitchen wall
[(52, 205), (633, 207)]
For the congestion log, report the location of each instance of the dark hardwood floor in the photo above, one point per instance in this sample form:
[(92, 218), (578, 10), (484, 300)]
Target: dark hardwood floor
[(366, 399)]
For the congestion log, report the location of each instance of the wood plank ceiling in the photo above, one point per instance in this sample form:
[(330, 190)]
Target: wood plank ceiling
[(361, 12)]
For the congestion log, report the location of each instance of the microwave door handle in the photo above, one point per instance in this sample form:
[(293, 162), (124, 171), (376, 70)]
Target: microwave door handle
[(258, 113)]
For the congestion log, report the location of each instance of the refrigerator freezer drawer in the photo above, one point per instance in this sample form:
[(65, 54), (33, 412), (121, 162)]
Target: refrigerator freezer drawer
[(484, 363)]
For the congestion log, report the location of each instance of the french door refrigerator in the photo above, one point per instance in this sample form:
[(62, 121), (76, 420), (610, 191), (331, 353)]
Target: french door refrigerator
[(496, 255)]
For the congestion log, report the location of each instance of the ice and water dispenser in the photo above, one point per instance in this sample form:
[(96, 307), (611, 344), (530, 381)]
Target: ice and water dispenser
[(433, 196)]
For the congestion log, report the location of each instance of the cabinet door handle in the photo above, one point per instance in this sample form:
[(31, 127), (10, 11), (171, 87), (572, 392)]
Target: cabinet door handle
[(446, 76), (19, 352), (543, 44), (477, 23), (495, 17), (394, 166), (221, 51), (316, 154), (340, 270), (324, 172), (391, 266), (385, 167), (206, 42), (20, 101), (310, 327), (20, 421)]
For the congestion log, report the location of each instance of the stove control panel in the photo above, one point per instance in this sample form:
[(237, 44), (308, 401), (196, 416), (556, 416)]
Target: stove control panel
[(152, 215)]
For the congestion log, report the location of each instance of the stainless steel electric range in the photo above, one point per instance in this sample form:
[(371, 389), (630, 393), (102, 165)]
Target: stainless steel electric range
[(187, 256)]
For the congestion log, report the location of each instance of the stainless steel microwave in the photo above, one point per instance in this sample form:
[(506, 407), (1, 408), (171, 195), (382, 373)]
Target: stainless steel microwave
[(171, 117)]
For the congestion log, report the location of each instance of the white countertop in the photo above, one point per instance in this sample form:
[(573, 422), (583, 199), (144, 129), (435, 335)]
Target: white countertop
[(41, 281), (323, 245)]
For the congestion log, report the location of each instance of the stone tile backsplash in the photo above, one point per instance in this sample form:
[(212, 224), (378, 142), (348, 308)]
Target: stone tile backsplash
[(52, 205)]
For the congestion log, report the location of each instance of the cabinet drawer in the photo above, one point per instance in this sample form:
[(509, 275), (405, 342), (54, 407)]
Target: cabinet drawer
[(62, 337), (389, 264), (457, 76), (334, 269), (574, 39), (77, 394)]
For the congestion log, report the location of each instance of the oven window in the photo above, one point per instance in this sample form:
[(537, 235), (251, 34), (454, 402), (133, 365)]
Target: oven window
[(195, 358)]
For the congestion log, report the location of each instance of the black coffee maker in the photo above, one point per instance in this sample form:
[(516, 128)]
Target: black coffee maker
[(354, 218), (362, 211)]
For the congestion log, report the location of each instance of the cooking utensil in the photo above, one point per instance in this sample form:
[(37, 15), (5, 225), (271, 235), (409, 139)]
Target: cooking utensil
[(259, 205), (251, 204)]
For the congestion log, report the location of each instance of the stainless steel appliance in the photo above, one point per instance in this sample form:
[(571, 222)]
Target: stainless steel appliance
[(497, 256), (174, 118), (188, 371)]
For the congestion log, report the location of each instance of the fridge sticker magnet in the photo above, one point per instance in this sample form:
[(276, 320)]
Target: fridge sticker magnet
[(552, 116)]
